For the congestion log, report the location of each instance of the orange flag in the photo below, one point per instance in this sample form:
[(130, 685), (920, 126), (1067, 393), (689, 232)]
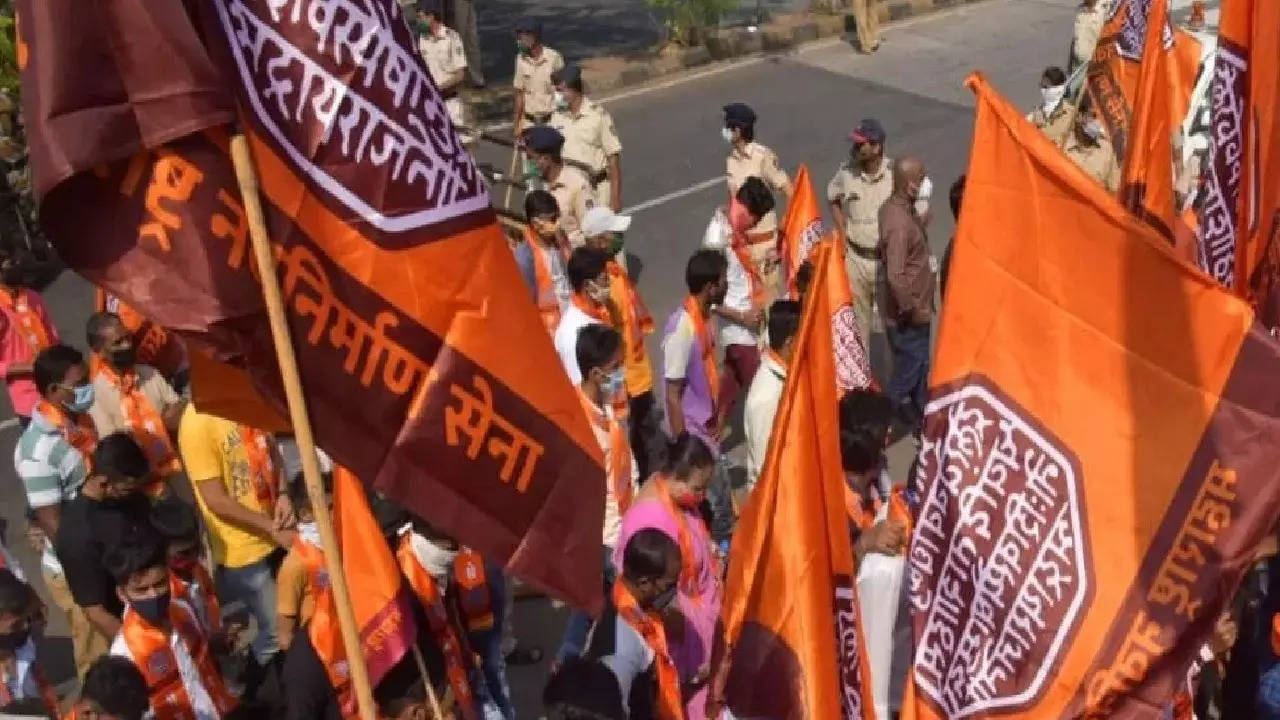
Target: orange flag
[(382, 612), (1146, 184), (790, 611), (853, 369), (1099, 457), (801, 228)]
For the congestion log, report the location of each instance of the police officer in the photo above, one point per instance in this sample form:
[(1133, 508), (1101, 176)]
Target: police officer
[(590, 142), (441, 49), (535, 65), (857, 191), (1056, 115), (748, 158), (569, 185), (1088, 149)]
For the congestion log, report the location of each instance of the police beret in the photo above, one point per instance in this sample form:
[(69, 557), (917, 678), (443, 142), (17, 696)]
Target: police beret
[(528, 24), (868, 131), (430, 6), (739, 114), (570, 75), (541, 138)]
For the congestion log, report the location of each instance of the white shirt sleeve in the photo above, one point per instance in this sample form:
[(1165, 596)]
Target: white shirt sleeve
[(675, 350)]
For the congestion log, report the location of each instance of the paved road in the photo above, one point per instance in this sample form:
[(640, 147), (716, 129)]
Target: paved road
[(807, 102)]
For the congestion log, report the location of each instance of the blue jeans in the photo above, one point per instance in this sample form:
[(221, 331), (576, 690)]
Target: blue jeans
[(908, 387), (720, 501), (575, 633), (494, 694), (253, 586)]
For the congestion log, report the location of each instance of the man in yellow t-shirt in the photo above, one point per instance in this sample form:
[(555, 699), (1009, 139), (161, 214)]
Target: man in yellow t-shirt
[(235, 474)]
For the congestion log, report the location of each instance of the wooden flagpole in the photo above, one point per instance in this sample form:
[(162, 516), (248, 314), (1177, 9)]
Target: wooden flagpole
[(436, 712), (247, 179)]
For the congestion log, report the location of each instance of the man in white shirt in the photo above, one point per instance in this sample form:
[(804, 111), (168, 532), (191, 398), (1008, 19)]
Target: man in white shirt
[(766, 387), (589, 304)]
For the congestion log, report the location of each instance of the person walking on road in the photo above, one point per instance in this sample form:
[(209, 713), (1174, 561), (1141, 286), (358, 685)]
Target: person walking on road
[(748, 158), (463, 19), (856, 194), (536, 64), (1090, 17), (569, 185), (591, 143), (907, 296), (1055, 115), (867, 18), (441, 49)]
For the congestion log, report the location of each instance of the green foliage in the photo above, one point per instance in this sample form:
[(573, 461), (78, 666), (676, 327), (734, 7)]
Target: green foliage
[(684, 19), (8, 50)]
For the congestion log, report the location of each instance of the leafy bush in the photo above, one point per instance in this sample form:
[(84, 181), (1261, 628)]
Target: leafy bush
[(683, 19)]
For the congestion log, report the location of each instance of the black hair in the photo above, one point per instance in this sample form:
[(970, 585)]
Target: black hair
[(957, 195), (15, 595), (784, 321), (119, 456), (582, 690), (52, 365), (400, 687), (584, 266), (1055, 75), (748, 130), (597, 344), (174, 520), (539, 203), (704, 268), (686, 453), (389, 514), (96, 326), (756, 196), (804, 276), (26, 707), (141, 549), (648, 554), (298, 490), (116, 686), (865, 416)]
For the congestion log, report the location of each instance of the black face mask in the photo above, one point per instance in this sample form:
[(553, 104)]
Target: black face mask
[(123, 358), (661, 602), (153, 610), (13, 640)]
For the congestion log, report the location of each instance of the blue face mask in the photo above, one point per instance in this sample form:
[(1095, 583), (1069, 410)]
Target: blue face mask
[(612, 385), (83, 399)]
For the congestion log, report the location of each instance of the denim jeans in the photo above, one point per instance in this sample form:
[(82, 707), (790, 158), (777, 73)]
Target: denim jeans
[(575, 633), (254, 586), (908, 387), (720, 501), (494, 694)]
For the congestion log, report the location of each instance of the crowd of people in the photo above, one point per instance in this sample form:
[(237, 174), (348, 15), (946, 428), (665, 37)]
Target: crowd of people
[(182, 547)]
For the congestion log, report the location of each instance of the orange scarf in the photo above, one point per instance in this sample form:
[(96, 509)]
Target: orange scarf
[(144, 420), (181, 588), (17, 307), (708, 341), (685, 538), (47, 694), (476, 600), (149, 648), (81, 434), (592, 309), (619, 451), (548, 301), (428, 593), (261, 470), (670, 704), (859, 517), (637, 321), (323, 629)]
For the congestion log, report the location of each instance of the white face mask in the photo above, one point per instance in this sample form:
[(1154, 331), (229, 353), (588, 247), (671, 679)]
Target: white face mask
[(561, 102), (599, 293), (727, 134), (922, 196), (1051, 97), (309, 533), (437, 560)]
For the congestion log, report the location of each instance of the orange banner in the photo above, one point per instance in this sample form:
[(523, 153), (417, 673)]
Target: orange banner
[(798, 652), (853, 369), (1091, 477), (1146, 184), (801, 228)]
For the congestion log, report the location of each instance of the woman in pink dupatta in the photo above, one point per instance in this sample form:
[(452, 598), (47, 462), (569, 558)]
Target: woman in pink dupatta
[(670, 502)]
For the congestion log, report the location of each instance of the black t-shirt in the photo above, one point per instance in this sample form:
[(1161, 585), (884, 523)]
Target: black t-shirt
[(88, 528)]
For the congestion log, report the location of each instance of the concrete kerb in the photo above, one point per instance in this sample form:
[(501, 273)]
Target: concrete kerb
[(608, 74)]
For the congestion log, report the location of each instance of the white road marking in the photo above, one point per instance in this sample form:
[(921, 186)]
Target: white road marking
[(661, 199)]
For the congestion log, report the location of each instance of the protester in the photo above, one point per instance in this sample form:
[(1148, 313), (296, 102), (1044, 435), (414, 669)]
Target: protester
[(603, 230), (1055, 115), (157, 346), (1090, 17), (299, 579), (630, 639), (550, 253), (742, 310), (163, 635), (591, 303), (689, 352), (584, 690), (907, 296), (22, 674), (856, 193), (748, 158), (26, 330), (536, 64), (591, 143), (766, 387), (569, 185), (113, 689), (441, 49), (238, 488), (671, 502), (110, 506), (178, 528), (1092, 152), (133, 397), (599, 351)]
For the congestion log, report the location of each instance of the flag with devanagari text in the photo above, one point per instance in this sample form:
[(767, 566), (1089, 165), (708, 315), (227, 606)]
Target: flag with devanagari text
[(1099, 457), (425, 372)]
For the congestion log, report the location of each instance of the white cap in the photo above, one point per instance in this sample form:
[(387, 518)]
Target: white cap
[(600, 220)]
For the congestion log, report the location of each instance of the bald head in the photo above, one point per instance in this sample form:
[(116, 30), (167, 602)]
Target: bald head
[(908, 172)]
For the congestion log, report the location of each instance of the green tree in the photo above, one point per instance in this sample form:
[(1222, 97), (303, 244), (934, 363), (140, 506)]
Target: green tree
[(683, 19)]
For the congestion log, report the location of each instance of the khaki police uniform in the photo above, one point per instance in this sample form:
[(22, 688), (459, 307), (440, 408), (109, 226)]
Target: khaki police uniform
[(575, 197), (533, 78), (1097, 160), (1088, 28), (756, 160), (860, 196), (444, 56), (1058, 124), (589, 140)]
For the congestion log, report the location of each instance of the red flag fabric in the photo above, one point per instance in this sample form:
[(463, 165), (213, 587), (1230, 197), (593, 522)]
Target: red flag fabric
[(791, 615), (801, 227), (399, 288)]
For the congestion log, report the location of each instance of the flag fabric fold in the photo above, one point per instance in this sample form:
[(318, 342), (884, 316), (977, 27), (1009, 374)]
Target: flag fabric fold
[(425, 372), (795, 647), (1146, 181), (801, 227), (1099, 455)]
